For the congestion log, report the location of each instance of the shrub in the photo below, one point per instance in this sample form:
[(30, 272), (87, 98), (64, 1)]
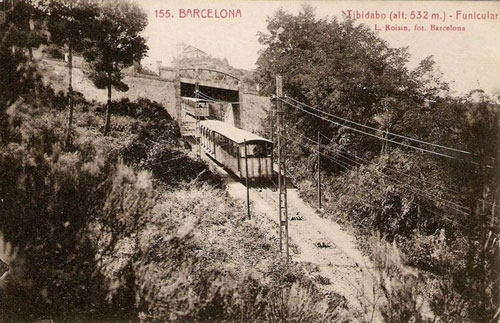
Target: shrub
[(399, 284), (97, 242), (52, 202), (42, 188), (193, 266)]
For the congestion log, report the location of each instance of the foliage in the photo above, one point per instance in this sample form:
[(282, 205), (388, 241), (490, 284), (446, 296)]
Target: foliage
[(25, 22), (155, 144), (99, 243), (69, 23), (399, 284), (439, 210), (18, 77), (205, 250), (97, 228), (10, 76), (372, 198), (54, 51), (41, 193), (346, 69), (115, 44)]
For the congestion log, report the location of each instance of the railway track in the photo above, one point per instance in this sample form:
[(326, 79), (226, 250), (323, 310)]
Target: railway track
[(320, 244)]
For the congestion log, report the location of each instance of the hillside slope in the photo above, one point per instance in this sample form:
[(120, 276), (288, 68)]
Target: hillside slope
[(253, 109), (56, 74)]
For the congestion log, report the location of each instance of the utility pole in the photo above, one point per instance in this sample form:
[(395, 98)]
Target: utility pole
[(283, 207), (319, 171), (493, 214), (197, 115), (272, 147), (246, 180), (70, 91)]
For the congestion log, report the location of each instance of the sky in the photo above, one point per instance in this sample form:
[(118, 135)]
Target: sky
[(468, 59)]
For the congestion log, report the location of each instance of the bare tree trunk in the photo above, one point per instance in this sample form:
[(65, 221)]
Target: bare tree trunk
[(31, 27), (70, 92), (108, 112)]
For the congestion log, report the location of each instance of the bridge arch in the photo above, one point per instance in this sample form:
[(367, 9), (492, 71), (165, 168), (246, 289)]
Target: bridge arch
[(220, 88)]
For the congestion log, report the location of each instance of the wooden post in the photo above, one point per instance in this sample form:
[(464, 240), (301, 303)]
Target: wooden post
[(283, 207), (70, 92), (272, 146), (493, 214), (319, 171), (197, 130), (246, 180), (278, 139)]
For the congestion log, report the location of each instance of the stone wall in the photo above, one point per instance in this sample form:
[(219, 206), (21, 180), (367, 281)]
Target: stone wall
[(165, 89), (151, 87)]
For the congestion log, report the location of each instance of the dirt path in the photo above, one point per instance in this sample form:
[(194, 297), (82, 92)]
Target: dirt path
[(338, 266)]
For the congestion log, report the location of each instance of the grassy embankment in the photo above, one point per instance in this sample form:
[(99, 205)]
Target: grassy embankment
[(130, 227)]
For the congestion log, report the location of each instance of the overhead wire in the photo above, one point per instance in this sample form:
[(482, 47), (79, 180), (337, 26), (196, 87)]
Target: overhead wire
[(387, 132), (395, 182), (450, 191), (347, 167), (402, 183), (358, 163), (375, 136), (363, 132)]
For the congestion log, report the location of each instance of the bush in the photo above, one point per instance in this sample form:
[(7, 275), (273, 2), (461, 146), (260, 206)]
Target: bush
[(50, 194), (399, 284), (55, 203), (96, 242), (204, 250)]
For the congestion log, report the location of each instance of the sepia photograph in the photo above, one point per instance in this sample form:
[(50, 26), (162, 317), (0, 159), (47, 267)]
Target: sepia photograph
[(249, 161)]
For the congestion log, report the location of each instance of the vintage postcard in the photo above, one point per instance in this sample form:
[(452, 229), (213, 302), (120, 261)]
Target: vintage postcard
[(249, 161)]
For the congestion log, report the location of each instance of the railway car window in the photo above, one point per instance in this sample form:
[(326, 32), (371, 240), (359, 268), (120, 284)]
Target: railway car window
[(226, 145), (261, 150), (258, 150), (250, 149), (235, 150)]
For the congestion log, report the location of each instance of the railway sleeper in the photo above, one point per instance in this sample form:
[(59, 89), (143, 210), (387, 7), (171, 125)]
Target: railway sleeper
[(322, 244)]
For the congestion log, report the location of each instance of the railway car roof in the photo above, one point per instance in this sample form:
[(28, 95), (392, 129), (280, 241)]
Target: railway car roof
[(231, 132)]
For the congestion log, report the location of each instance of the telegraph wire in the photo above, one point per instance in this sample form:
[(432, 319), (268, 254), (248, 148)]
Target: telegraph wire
[(358, 163), (394, 182), (423, 194), (375, 136), (375, 129), (347, 167), (450, 191), (387, 176)]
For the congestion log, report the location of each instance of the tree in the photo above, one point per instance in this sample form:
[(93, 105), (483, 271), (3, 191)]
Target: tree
[(18, 33), (9, 61), (115, 44), (18, 75), (26, 17), (69, 24), (344, 68)]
